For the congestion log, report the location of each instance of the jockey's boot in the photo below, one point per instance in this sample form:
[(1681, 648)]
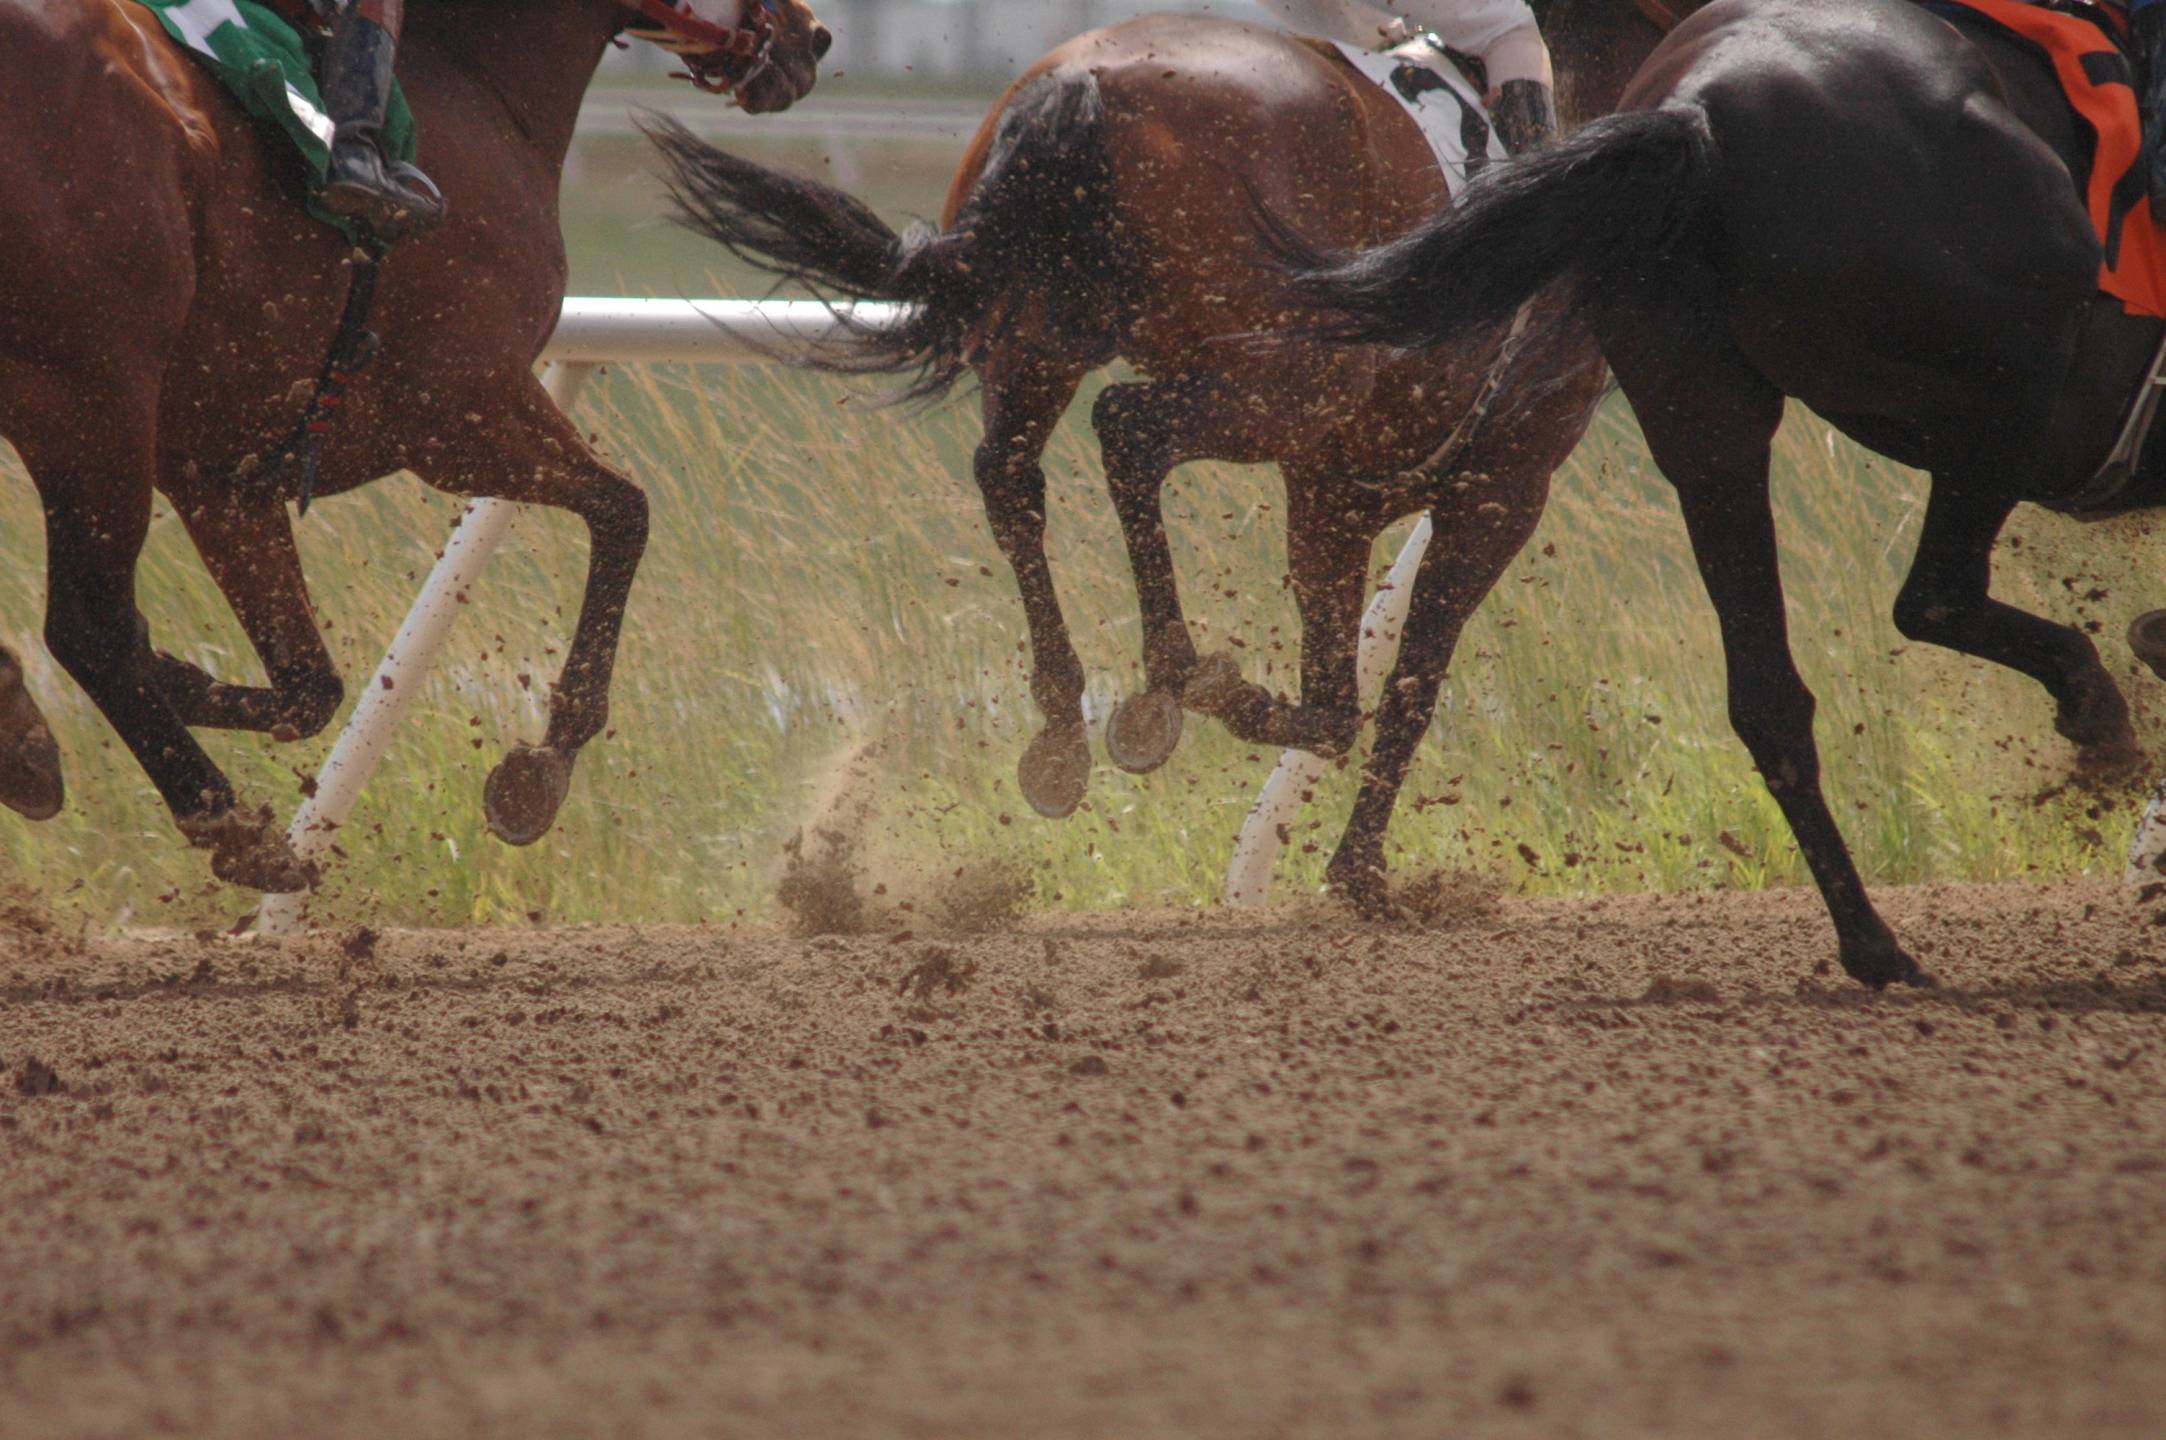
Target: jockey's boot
[(1525, 115), (2148, 32), (395, 202)]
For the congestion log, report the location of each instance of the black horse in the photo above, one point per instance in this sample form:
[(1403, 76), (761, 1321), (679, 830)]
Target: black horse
[(1866, 206)]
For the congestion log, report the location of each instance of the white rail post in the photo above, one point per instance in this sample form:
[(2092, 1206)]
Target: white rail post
[(1256, 853), (399, 678)]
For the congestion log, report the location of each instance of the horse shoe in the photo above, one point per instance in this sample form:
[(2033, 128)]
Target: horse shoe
[(1143, 731), (2147, 637), (1055, 770), (525, 791)]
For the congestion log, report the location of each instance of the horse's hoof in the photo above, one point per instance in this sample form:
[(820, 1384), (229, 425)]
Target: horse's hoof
[(1143, 730), (1365, 887), (1882, 963), (1055, 771), (30, 781), (1214, 685), (251, 851), (2105, 761), (2147, 637), (525, 791)]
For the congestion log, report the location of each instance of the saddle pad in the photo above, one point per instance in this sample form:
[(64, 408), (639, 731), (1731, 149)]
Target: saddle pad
[(2094, 74), (261, 58), (1444, 103)]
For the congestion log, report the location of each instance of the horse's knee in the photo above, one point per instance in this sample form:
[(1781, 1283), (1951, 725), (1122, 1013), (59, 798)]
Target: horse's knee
[(1333, 731), (83, 634), (311, 704)]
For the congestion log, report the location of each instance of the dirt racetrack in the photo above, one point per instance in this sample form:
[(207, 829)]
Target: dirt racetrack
[(1625, 1167)]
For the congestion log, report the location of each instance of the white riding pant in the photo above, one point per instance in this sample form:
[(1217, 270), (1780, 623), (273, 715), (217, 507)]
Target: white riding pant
[(1502, 33)]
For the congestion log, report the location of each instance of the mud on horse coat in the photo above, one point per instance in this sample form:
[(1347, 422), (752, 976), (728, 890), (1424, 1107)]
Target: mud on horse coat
[(1103, 212), (1867, 207), (161, 294)]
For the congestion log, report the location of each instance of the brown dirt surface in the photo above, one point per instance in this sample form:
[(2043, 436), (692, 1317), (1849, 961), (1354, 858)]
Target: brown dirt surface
[(1611, 1168)]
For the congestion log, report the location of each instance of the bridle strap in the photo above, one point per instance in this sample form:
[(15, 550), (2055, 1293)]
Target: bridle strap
[(1659, 14), (719, 58), (702, 32)]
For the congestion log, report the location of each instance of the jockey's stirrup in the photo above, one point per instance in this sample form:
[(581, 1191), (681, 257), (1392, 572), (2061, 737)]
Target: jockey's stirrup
[(395, 202), (2148, 32), (1525, 115)]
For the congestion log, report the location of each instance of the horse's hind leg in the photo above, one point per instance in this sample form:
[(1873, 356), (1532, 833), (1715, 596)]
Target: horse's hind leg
[(533, 455), (30, 782), (1710, 424), (1945, 602), (247, 545), (1024, 397)]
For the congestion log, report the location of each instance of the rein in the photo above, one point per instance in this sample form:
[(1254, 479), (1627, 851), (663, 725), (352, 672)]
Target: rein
[(352, 347), (1659, 14), (717, 58)]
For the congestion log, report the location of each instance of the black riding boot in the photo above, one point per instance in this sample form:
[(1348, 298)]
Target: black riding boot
[(2149, 35), (1525, 115), (394, 201)]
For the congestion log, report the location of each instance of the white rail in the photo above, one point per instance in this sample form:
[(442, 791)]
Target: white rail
[(594, 332)]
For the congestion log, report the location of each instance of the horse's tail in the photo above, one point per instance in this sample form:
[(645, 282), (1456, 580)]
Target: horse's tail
[(1034, 227), (1601, 212)]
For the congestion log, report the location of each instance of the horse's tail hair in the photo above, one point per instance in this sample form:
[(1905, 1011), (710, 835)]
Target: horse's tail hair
[(1600, 212), (1036, 225)]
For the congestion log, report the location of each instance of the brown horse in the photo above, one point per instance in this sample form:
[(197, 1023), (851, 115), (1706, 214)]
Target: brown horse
[(164, 302), (1104, 212)]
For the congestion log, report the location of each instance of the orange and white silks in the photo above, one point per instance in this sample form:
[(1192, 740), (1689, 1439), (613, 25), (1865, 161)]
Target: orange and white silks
[(2094, 74)]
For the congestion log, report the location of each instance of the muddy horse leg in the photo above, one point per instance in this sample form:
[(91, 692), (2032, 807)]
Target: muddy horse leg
[(247, 545), (1329, 536), (1710, 424), (1475, 539), (30, 782), (1023, 399), (1138, 428), (530, 453), (1945, 602), (1146, 430), (97, 512)]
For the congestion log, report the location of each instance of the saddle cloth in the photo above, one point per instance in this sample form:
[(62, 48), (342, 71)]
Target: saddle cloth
[(1423, 77), (2083, 46), (261, 58)]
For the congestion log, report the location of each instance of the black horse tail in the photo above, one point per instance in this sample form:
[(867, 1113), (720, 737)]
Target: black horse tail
[(1036, 229), (1601, 212)]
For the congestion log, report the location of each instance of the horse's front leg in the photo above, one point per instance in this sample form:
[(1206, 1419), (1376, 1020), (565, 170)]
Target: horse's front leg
[(1945, 601), (246, 542), (1145, 430), (528, 452), (30, 782), (1330, 530)]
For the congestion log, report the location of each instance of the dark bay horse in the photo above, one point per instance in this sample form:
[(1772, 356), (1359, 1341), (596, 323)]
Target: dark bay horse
[(164, 302), (1860, 204), (1103, 213)]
